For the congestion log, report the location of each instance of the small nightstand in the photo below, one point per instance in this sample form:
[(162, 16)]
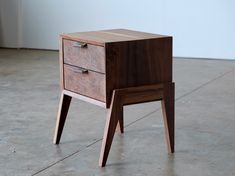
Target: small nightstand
[(113, 68)]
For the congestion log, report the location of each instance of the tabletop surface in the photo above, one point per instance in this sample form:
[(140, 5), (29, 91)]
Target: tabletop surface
[(113, 35)]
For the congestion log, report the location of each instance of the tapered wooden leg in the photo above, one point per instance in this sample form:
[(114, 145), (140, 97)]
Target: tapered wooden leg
[(110, 127), (61, 116), (120, 125), (168, 109)]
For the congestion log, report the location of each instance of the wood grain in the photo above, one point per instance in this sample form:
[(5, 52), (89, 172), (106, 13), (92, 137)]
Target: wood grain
[(85, 98), (168, 109), (110, 127), (61, 116), (91, 57), (61, 60), (140, 94), (123, 67), (120, 126), (136, 63), (100, 38), (91, 84)]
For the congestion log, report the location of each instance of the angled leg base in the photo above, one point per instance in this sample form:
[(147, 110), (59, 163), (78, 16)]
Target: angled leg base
[(168, 110), (133, 95), (114, 121), (61, 117)]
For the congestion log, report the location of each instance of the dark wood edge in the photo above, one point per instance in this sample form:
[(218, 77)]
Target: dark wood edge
[(141, 88), (125, 96), (74, 38), (61, 58), (61, 116), (168, 110), (106, 80), (135, 40), (128, 95), (140, 94), (84, 98)]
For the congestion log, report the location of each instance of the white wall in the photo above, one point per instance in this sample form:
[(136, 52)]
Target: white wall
[(9, 18), (201, 28), (44, 20)]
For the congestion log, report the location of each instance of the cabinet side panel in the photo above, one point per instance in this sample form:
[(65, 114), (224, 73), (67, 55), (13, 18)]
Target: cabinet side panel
[(136, 63)]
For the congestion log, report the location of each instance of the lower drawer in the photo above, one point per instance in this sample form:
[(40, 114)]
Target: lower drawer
[(88, 83)]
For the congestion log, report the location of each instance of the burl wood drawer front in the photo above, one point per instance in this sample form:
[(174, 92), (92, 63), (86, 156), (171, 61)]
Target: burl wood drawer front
[(85, 55), (78, 80)]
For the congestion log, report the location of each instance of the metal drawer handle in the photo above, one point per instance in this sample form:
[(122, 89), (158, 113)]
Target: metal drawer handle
[(80, 45), (81, 70)]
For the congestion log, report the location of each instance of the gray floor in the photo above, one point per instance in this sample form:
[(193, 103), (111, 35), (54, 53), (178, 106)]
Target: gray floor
[(205, 124)]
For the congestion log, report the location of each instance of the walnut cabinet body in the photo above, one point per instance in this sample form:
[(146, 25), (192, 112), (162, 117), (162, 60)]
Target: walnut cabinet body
[(113, 68)]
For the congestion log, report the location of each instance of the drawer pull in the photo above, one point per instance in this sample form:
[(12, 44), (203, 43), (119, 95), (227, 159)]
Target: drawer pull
[(80, 45), (81, 70)]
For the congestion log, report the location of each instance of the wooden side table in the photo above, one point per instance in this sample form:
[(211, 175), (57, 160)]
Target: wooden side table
[(113, 68)]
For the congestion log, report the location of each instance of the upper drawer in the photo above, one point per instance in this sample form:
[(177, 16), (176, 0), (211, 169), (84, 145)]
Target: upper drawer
[(89, 56)]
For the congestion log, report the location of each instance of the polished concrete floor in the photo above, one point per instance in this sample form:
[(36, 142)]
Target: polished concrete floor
[(29, 97)]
